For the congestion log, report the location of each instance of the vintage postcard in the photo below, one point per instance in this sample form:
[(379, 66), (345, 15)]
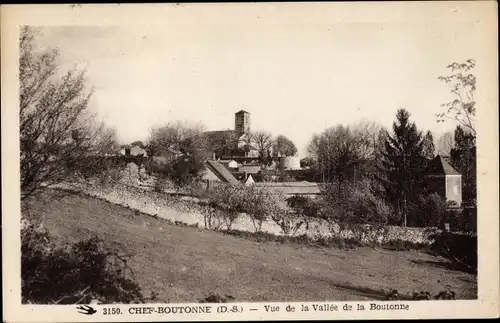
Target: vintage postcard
[(250, 161)]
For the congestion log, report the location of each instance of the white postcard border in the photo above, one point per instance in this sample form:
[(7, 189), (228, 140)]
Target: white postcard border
[(487, 148)]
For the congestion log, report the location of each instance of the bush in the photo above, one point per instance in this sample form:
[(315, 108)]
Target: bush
[(258, 203), (197, 189), (421, 296), (289, 221), (366, 207), (433, 211), (184, 171), (458, 247), (256, 236), (217, 298), (104, 169), (212, 217), (357, 204), (469, 219), (305, 206), (226, 203), (78, 273), (403, 245), (338, 242), (161, 184), (262, 204), (358, 213)]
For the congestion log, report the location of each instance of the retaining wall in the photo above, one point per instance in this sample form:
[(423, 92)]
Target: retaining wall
[(187, 210)]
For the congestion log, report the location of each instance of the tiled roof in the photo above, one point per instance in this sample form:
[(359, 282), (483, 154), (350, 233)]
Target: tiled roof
[(242, 111), (251, 169), (225, 161), (221, 172), (439, 166)]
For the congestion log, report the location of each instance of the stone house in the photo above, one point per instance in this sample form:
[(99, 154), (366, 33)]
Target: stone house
[(443, 179), (215, 173), (229, 144)]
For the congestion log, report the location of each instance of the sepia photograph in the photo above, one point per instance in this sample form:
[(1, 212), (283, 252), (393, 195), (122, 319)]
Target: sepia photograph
[(245, 153)]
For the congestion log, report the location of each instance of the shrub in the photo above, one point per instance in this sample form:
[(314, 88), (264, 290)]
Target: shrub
[(231, 199), (198, 189), (469, 219), (262, 204), (184, 171), (356, 204), (78, 273), (296, 201), (256, 236), (226, 204), (217, 298), (365, 207), (358, 213), (289, 221), (403, 245), (306, 206), (420, 296), (160, 185), (212, 217), (433, 211), (458, 247), (338, 242), (104, 169), (258, 203)]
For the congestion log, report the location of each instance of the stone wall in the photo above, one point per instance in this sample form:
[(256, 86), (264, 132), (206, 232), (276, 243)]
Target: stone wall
[(186, 209)]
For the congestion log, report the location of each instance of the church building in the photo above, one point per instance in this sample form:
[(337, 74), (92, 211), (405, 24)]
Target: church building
[(234, 143)]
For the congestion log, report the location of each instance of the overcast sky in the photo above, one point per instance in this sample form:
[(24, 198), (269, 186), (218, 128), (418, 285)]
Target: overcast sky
[(295, 76)]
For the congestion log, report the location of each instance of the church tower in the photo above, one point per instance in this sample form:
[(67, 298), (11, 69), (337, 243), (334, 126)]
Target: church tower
[(241, 123)]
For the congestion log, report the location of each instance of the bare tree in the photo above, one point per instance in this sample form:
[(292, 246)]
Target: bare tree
[(445, 144), (367, 134), (57, 132), (106, 140), (354, 150), (339, 152), (462, 109), (171, 135), (313, 146), (263, 140)]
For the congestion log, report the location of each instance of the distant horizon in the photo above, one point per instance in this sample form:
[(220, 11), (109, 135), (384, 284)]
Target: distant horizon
[(295, 78)]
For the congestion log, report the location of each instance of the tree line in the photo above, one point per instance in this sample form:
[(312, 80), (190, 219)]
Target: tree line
[(394, 163), (181, 135), (59, 137)]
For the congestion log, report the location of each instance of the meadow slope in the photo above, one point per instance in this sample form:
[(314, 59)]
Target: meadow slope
[(186, 264)]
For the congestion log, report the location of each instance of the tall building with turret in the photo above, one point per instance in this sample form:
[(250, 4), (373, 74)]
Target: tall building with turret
[(233, 143), (241, 123)]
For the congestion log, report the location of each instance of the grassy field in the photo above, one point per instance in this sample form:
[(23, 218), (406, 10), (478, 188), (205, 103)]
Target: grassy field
[(185, 264)]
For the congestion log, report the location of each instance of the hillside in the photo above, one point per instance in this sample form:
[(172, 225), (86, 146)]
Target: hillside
[(185, 264)]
